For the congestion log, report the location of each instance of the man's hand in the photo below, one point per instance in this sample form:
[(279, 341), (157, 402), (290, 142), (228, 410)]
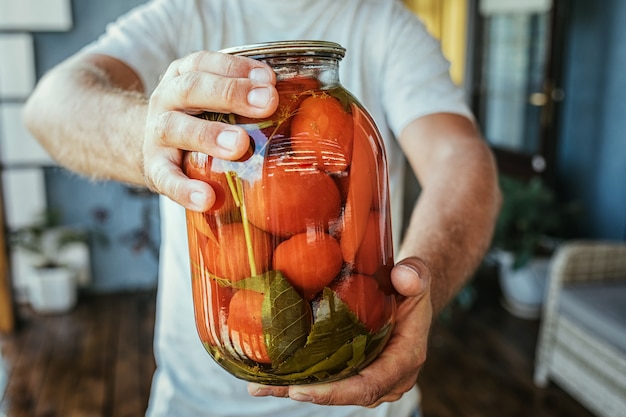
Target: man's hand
[(203, 81), (395, 370)]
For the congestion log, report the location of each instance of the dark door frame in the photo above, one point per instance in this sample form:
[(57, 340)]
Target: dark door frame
[(519, 164)]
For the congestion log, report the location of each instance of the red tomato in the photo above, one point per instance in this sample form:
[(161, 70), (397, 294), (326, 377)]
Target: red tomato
[(369, 256), (309, 261), (363, 296), (290, 199), (228, 257), (245, 325), (358, 201), (364, 132), (321, 127)]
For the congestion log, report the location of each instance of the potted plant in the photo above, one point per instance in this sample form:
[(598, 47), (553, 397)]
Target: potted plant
[(527, 230), (52, 284)]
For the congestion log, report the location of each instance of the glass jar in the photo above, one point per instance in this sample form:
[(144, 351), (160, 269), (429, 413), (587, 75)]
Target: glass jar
[(291, 267)]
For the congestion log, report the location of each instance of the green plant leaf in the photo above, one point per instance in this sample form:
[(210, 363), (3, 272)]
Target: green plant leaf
[(258, 283), (530, 214), (334, 328), (346, 358), (359, 345), (286, 318)]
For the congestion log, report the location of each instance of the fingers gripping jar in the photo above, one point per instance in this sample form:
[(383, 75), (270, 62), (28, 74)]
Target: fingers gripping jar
[(291, 266)]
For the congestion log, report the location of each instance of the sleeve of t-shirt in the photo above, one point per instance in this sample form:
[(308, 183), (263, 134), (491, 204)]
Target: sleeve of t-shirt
[(417, 80), (144, 38)]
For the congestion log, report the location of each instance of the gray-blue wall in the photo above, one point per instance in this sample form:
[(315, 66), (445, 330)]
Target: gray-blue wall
[(90, 18), (592, 140), (125, 224)]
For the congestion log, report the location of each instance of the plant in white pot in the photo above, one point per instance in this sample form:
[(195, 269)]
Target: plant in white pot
[(527, 231), (52, 286)]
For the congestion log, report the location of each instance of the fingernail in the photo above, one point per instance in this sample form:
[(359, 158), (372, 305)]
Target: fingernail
[(259, 97), (263, 392), (417, 268), (260, 74), (411, 268), (227, 139), (198, 199), (298, 396)]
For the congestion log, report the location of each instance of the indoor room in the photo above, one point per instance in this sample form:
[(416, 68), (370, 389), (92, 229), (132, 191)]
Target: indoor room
[(535, 327)]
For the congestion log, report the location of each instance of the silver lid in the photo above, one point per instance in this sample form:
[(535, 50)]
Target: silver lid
[(293, 47)]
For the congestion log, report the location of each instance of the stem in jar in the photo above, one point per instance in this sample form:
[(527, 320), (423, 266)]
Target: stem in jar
[(233, 187), (236, 189), (246, 228)]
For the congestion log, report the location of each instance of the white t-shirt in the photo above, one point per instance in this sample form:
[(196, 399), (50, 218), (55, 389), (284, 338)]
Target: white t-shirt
[(391, 65)]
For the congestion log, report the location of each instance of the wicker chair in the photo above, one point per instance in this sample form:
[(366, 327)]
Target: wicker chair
[(582, 337)]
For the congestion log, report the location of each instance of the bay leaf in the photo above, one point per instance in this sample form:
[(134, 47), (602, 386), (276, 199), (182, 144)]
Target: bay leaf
[(331, 364), (286, 318), (258, 283), (335, 326), (358, 351)]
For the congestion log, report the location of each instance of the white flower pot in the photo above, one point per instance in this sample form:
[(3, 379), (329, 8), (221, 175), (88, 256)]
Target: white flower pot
[(53, 290), (76, 256), (523, 289)]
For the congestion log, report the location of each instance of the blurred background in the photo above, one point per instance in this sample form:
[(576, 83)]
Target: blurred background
[(545, 79)]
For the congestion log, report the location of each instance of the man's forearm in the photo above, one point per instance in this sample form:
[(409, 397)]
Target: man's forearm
[(95, 126), (451, 226)]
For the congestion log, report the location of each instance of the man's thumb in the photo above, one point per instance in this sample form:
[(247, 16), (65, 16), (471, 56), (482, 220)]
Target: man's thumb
[(411, 277)]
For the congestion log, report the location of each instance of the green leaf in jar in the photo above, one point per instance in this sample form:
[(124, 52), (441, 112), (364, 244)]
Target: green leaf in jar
[(286, 318), (335, 327), (258, 283), (358, 351), (347, 358)]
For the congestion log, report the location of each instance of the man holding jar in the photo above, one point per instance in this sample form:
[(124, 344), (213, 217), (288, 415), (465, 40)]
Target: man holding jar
[(123, 109)]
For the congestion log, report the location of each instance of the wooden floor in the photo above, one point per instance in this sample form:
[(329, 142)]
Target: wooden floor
[(480, 364), (97, 362)]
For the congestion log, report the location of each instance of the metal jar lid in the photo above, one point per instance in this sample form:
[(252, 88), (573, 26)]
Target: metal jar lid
[(288, 48)]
